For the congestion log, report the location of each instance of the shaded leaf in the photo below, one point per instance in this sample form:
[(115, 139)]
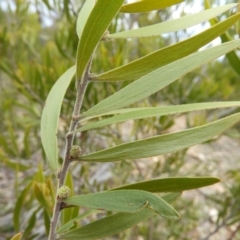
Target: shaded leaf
[(158, 79), (47, 221), (166, 143), (99, 19), (71, 223), (173, 25), (177, 184), (67, 213), (124, 201), (38, 192), (140, 113), (147, 5), (108, 226), (30, 224), (66, 10), (50, 117), (14, 165), (47, 4), (19, 205), (171, 197), (159, 58)]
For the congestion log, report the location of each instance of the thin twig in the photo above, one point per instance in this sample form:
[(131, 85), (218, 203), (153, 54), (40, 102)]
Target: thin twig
[(81, 85), (218, 227), (234, 233)]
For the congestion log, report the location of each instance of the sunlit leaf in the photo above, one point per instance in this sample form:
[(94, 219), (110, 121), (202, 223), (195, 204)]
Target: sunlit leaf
[(51, 189), (114, 224), (50, 117), (169, 198), (159, 58), (83, 16), (38, 192), (97, 23), (158, 79), (177, 184), (17, 236), (39, 176), (141, 113), (162, 144), (225, 37), (147, 5), (173, 25), (232, 56), (39, 195), (124, 201)]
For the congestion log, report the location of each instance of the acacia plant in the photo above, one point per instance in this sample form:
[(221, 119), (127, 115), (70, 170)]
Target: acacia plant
[(130, 204)]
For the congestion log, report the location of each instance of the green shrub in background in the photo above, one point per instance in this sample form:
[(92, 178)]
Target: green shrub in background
[(136, 202)]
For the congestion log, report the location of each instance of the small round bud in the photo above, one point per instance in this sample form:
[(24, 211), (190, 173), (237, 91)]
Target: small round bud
[(75, 152), (63, 192)]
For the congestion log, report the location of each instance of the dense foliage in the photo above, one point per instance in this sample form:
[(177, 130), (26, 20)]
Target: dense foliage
[(38, 43)]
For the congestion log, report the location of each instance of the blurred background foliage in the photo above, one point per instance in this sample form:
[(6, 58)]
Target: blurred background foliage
[(38, 43)]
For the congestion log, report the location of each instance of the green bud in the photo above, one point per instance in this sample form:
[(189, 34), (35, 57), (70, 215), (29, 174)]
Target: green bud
[(75, 152), (63, 192)]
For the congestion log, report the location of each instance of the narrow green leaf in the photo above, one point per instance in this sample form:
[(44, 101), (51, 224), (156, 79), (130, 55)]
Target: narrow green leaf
[(71, 223), (30, 224), (66, 10), (177, 184), (98, 21), (140, 113), (38, 192), (75, 212), (47, 221), (124, 201), (17, 236), (158, 79), (147, 5), (232, 56), (108, 226), (171, 197), (19, 205), (50, 117), (83, 16), (173, 25), (39, 176), (50, 189), (13, 139), (225, 37), (47, 4), (159, 58), (67, 213), (163, 144), (14, 164), (115, 223)]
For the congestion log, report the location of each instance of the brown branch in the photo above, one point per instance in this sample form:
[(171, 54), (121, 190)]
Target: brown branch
[(81, 86)]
